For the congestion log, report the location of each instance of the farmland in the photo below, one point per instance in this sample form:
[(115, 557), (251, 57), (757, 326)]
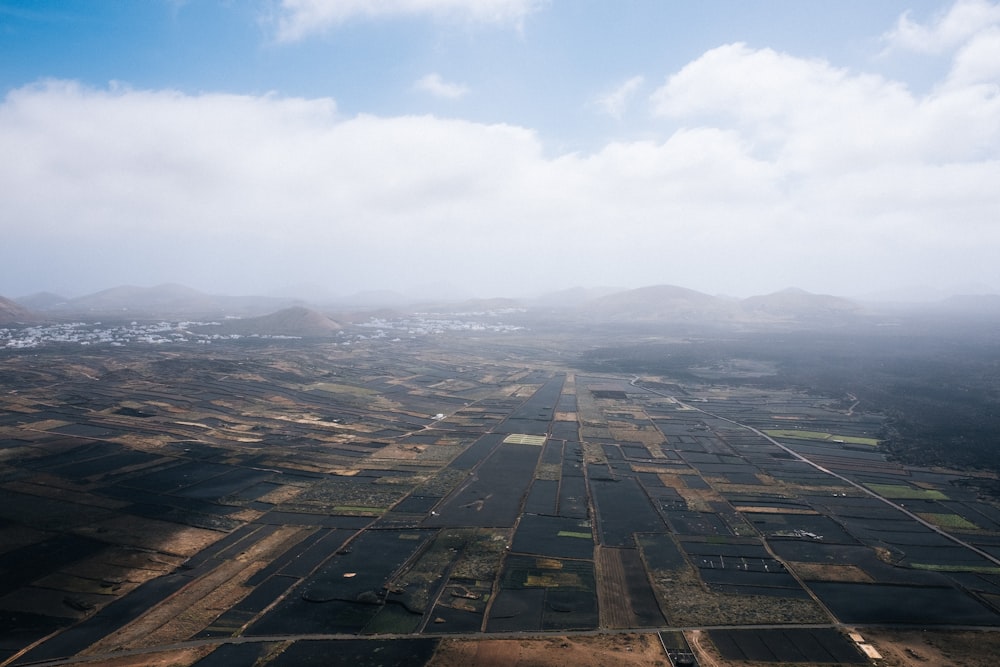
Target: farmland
[(259, 500)]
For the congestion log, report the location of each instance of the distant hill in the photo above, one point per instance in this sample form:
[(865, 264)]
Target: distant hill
[(167, 300), (42, 301), (12, 312), (797, 304), (673, 304), (131, 298), (659, 303), (651, 305), (574, 296), (294, 321)]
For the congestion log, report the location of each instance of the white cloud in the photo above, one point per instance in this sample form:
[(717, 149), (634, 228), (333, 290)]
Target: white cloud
[(978, 61), (946, 31), (438, 87), (616, 102), (812, 117), (773, 170), (876, 175), (300, 18)]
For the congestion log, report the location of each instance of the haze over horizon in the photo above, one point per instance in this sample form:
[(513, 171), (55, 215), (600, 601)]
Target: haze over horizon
[(499, 148)]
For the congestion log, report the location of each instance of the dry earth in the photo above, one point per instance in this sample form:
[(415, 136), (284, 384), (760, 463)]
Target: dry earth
[(617, 650), (918, 648)]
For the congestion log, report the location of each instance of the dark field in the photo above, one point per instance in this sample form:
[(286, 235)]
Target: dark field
[(310, 500)]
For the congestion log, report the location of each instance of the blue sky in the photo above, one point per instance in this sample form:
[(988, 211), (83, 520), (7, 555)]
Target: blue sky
[(499, 147)]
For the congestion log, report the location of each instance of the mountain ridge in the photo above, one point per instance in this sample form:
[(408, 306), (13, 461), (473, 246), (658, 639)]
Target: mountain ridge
[(649, 304), (12, 312), (297, 321)]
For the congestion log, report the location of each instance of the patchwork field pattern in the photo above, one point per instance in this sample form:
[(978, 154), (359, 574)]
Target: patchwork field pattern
[(315, 493)]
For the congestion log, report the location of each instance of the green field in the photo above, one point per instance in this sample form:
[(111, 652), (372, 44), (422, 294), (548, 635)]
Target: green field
[(796, 434), (948, 521), (935, 567), (905, 492)]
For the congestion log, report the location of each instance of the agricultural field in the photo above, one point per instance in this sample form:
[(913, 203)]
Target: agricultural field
[(460, 501)]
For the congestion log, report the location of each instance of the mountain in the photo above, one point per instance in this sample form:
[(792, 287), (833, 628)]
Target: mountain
[(294, 321), (574, 296), (131, 298), (673, 304), (12, 312), (797, 304), (659, 303), (167, 300), (42, 301)]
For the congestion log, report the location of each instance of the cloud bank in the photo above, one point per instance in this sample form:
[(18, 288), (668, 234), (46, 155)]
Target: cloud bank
[(769, 170)]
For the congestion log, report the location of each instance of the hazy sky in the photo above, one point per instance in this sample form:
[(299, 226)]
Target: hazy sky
[(499, 147)]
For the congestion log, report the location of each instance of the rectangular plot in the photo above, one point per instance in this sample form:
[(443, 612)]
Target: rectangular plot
[(564, 430), (255, 491), (573, 497), (235, 654), (567, 403), (537, 427), (553, 536), (542, 497), (570, 610), (33, 561), (552, 454), (698, 523), (921, 605), (738, 548), (820, 645), (416, 504), (453, 620), (541, 405), (309, 554), (517, 610), (477, 452), (343, 595), (761, 591), (265, 594), (86, 430), (240, 536), (775, 523), (102, 465), (627, 599), (280, 561), (492, 498), (623, 509), (524, 439), (562, 592), (276, 517), (660, 552), (227, 483), (108, 619), (635, 452), (735, 577), (81, 451), (169, 480)]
